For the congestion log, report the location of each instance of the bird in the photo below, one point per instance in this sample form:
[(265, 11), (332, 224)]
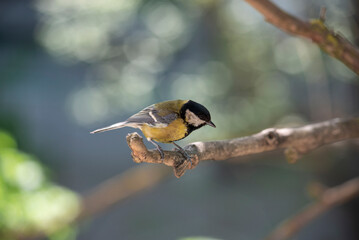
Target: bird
[(167, 122)]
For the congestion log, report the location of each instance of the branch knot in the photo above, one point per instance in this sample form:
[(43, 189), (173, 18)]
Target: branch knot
[(271, 136)]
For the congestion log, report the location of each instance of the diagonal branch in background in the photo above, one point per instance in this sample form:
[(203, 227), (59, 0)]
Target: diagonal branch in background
[(329, 41), (327, 200), (295, 141), (121, 187)]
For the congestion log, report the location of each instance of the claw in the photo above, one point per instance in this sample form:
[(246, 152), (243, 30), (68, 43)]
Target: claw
[(161, 153), (184, 153)]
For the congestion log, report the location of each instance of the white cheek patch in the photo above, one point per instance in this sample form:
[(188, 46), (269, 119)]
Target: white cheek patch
[(192, 119)]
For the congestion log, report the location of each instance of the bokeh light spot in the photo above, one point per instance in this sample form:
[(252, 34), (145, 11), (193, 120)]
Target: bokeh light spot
[(29, 175), (88, 105), (292, 55), (165, 21)]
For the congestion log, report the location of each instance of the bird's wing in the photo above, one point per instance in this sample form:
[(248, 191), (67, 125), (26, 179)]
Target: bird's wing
[(153, 117)]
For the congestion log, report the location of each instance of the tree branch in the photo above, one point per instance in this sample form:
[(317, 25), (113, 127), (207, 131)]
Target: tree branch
[(327, 200), (329, 41), (295, 141), (119, 188)]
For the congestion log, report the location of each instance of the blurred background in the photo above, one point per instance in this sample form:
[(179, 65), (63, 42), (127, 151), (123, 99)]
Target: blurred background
[(70, 66)]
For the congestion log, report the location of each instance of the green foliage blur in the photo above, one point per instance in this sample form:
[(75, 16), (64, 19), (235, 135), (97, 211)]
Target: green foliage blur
[(30, 204)]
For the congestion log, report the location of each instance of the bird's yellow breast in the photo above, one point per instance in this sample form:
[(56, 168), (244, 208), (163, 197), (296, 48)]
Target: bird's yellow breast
[(176, 130)]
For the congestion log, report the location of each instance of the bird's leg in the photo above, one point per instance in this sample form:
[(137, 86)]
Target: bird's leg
[(160, 150), (183, 153)]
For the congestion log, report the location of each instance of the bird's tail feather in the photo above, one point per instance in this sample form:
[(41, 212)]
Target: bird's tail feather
[(111, 127)]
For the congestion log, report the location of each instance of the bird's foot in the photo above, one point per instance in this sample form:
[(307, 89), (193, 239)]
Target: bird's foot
[(160, 150), (161, 153), (185, 154)]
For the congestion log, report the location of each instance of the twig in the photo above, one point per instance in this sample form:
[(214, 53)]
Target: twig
[(295, 141), (328, 199), (322, 13), (121, 187), (329, 41)]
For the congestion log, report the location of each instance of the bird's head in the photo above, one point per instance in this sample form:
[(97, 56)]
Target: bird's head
[(196, 115)]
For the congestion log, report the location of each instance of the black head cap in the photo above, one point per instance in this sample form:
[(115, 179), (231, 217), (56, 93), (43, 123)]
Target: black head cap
[(199, 110)]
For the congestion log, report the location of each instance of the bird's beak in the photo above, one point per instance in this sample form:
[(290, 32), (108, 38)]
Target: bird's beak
[(210, 123)]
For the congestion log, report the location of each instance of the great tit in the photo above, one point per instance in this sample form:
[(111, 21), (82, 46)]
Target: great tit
[(167, 122)]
